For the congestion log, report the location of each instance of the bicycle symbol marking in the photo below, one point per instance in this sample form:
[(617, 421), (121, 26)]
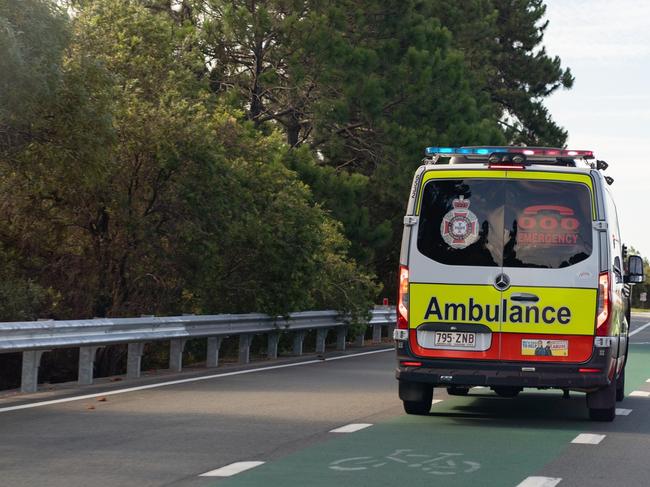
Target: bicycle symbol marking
[(444, 463)]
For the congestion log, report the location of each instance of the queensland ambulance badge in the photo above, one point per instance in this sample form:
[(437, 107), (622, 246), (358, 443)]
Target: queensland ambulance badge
[(459, 227)]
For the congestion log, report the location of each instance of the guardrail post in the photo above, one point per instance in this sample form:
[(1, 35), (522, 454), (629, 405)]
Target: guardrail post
[(376, 334), (244, 348), (341, 333), (272, 345), (391, 329), (31, 363), (134, 360), (298, 339), (214, 344), (86, 365), (321, 335), (176, 346)]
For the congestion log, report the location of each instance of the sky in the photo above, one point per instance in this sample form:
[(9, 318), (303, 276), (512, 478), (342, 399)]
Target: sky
[(606, 44)]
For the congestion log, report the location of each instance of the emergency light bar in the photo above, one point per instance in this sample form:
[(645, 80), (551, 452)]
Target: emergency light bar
[(527, 151)]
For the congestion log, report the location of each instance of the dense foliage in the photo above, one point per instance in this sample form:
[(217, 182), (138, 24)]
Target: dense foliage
[(206, 156)]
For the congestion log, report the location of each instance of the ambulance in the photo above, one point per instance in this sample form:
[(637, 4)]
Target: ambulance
[(513, 275)]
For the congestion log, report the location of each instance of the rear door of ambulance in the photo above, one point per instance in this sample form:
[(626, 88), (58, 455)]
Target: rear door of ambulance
[(502, 266), (551, 261), (455, 256)]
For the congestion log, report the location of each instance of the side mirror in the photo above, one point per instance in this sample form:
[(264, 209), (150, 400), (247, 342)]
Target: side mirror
[(635, 269)]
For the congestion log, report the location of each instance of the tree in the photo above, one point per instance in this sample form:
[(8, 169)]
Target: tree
[(393, 85), (33, 35), (501, 41), (150, 196), (248, 45)]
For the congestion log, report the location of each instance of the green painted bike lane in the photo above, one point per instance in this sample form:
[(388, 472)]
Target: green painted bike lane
[(480, 439)]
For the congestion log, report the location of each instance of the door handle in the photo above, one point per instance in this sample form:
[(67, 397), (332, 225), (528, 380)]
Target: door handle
[(524, 297)]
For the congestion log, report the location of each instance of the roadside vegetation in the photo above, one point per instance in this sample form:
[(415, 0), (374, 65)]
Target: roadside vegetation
[(213, 156)]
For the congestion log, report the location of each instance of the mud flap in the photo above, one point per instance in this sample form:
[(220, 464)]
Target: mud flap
[(415, 391), (604, 398)]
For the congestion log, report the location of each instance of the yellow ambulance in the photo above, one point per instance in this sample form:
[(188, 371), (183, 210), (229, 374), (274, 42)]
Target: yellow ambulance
[(512, 275)]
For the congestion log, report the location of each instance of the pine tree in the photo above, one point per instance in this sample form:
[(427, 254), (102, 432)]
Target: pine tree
[(502, 44)]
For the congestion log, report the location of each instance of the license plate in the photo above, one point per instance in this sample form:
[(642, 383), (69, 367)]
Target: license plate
[(455, 339)]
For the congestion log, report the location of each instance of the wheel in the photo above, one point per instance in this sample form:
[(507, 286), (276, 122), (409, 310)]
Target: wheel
[(457, 391), (416, 397), (417, 407), (607, 414), (620, 386), (507, 391)]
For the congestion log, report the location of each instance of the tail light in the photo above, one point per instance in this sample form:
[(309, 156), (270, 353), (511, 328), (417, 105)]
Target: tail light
[(604, 312), (403, 298)]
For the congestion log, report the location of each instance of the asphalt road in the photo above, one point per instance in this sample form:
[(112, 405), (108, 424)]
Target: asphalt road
[(170, 435)]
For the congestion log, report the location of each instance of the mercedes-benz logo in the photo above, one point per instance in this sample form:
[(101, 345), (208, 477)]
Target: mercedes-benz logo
[(502, 282)]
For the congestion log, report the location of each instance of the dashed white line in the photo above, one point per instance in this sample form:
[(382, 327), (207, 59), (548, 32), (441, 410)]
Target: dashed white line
[(232, 469), (183, 381), (588, 439), (436, 401), (639, 394), (647, 380), (540, 482), (623, 412), (641, 328), (351, 428)]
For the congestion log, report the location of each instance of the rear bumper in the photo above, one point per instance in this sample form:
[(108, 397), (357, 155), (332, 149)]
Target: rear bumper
[(446, 373), (556, 378)]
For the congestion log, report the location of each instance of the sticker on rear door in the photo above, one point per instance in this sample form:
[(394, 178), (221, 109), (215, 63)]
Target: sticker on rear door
[(545, 348), (459, 227), (548, 225)]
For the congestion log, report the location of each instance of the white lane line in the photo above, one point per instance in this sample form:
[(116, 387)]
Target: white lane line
[(183, 381), (540, 482), (647, 380), (588, 439), (436, 401), (392, 349), (232, 469), (351, 428), (639, 394), (623, 412), (641, 328)]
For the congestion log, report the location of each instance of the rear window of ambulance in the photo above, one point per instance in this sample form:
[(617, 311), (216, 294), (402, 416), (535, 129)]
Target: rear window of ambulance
[(510, 223)]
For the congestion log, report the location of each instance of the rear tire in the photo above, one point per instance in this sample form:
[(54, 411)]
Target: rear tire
[(457, 391), (416, 396), (620, 386), (419, 408), (507, 391)]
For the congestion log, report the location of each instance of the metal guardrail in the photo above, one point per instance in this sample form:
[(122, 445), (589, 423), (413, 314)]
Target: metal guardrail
[(34, 338)]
